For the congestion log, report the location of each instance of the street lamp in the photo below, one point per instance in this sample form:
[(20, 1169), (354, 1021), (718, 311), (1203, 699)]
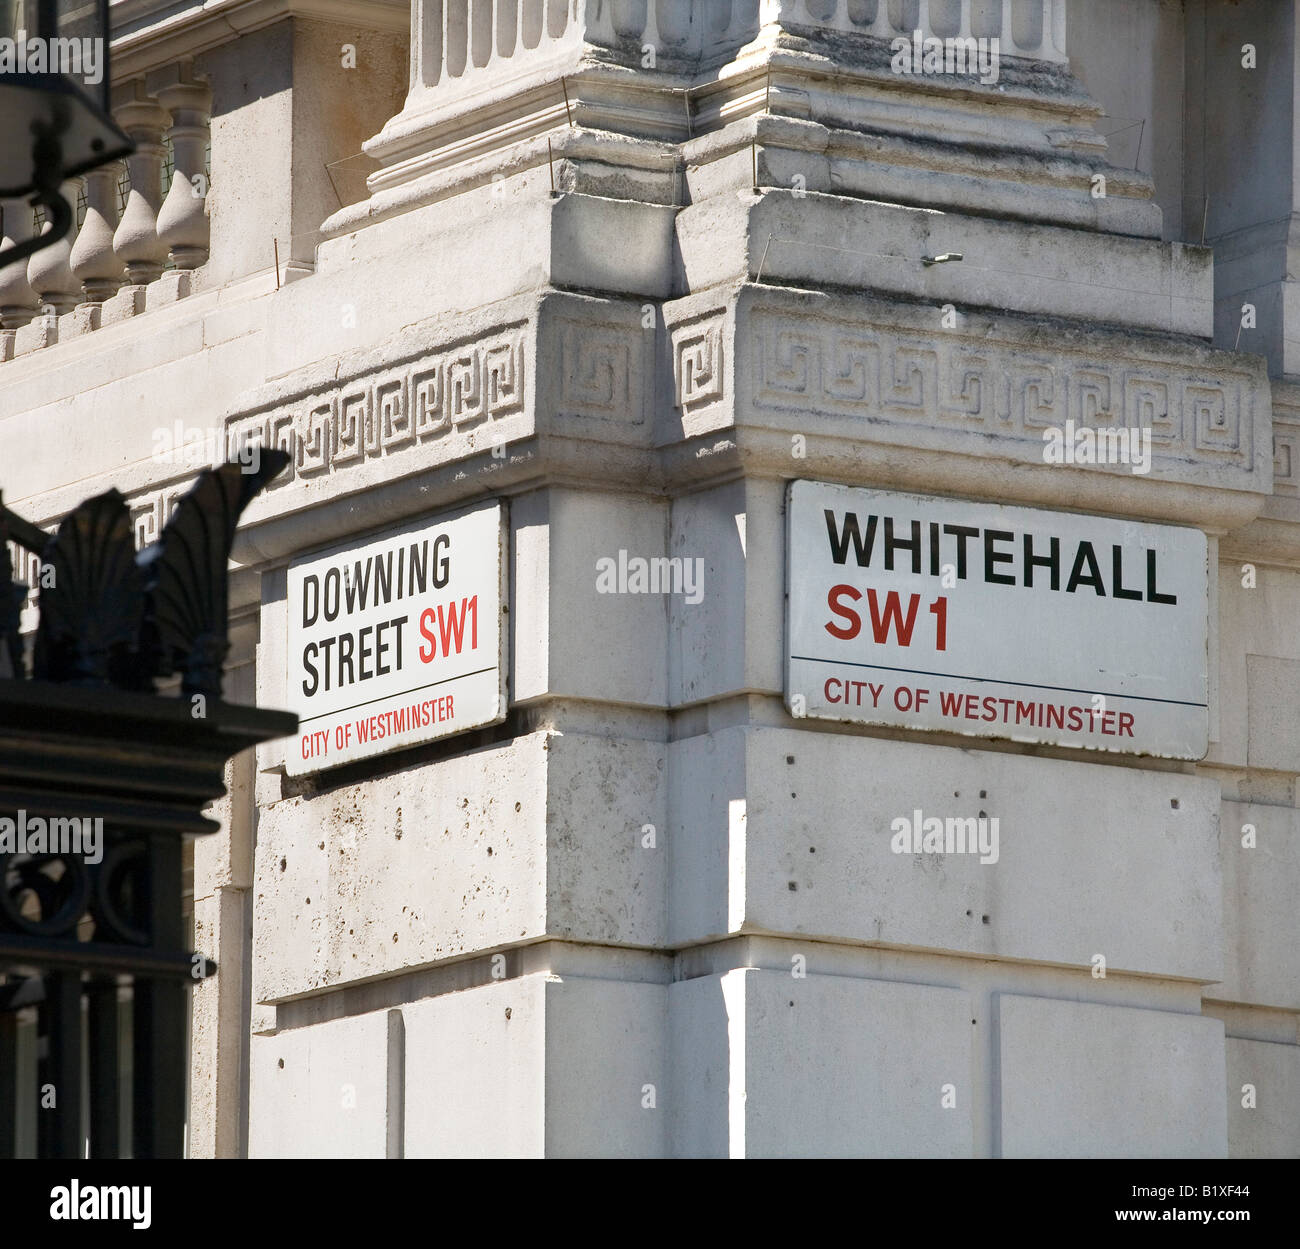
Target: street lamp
[(54, 104)]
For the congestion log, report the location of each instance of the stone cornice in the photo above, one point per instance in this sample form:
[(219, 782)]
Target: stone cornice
[(149, 34), (1032, 129), (1275, 536), (747, 380), (559, 388)]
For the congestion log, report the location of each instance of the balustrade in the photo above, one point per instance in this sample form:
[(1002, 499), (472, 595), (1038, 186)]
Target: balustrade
[(120, 250), (48, 271), (18, 301), (93, 261), (457, 44), (1033, 29)]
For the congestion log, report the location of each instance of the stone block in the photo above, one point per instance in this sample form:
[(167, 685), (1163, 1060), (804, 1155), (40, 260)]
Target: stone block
[(1081, 1080), (538, 1066), (127, 303), (1273, 713), (1260, 887), (1271, 1128), (321, 1091), (787, 831), (541, 836), (763, 1068), (730, 641)]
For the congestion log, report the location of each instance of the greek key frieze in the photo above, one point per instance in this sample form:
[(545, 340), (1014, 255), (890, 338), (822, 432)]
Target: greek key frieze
[(831, 368), (391, 410)]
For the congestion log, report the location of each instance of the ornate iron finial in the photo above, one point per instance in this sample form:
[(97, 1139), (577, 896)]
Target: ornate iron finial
[(93, 603), (188, 598), (110, 616)]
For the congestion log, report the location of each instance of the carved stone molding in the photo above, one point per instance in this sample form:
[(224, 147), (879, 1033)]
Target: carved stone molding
[(1207, 412), (697, 350), (388, 411), (597, 360), (620, 389)]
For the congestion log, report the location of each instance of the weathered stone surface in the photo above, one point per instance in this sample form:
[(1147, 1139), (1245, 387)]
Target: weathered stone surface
[(758, 1067), (634, 301), (1088, 1081), (783, 831)]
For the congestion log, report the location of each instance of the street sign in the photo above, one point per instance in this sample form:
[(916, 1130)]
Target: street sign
[(398, 639), (991, 621)]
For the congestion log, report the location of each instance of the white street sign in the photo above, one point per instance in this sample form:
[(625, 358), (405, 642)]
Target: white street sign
[(992, 621), (397, 640)]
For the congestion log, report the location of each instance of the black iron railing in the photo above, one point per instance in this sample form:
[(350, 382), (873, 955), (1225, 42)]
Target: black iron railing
[(101, 779)]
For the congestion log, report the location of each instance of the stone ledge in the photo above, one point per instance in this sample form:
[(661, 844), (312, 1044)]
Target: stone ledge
[(451, 409), (744, 818), (798, 238), (149, 34)]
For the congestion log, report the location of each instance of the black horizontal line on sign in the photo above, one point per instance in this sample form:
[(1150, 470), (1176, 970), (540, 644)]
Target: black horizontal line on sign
[(1025, 685), (460, 676)]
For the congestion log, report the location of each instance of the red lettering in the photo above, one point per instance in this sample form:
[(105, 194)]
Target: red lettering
[(950, 703), (893, 617), (426, 621), (940, 609), (451, 627), (851, 630)]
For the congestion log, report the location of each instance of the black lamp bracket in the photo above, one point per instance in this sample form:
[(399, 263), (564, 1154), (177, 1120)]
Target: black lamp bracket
[(47, 157)]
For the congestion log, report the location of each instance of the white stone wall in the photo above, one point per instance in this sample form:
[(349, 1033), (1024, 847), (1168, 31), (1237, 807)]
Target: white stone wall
[(652, 914)]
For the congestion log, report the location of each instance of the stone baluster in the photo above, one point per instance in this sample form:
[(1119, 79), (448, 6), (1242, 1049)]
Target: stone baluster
[(18, 302), (136, 241), (94, 263), (48, 271), (183, 220)]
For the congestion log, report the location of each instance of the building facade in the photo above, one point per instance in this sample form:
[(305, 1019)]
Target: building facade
[(610, 294)]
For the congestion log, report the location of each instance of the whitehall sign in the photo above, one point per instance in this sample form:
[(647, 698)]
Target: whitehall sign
[(991, 621), (397, 640)]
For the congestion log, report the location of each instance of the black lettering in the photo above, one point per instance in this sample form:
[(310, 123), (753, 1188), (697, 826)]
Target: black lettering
[(310, 594), (892, 544), (1086, 555), (308, 654), (384, 579), (398, 623), (1051, 562), (1117, 576), (364, 652), (992, 557), (332, 580), (840, 542), (359, 586), (961, 533), (419, 568), (1153, 595), (441, 564)]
